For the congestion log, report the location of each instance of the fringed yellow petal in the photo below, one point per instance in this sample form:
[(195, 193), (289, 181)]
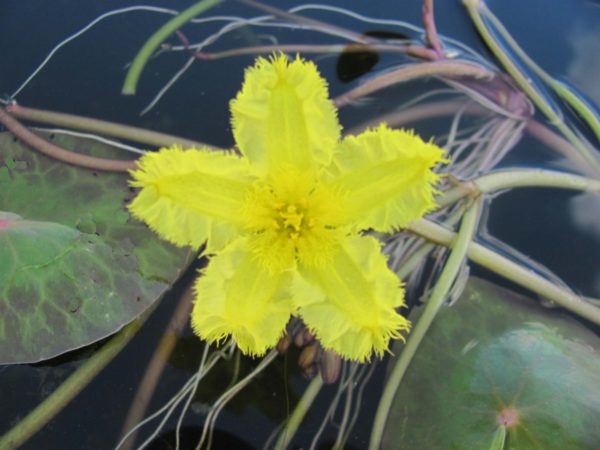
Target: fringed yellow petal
[(236, 297), (297, 199), (387, 177), (283, 117), (189, 196), (350, 305)]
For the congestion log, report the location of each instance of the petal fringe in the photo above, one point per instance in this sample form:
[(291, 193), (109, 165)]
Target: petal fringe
[(351, 304), (387, 177), (283, 117), (191, 196), (237, 297)]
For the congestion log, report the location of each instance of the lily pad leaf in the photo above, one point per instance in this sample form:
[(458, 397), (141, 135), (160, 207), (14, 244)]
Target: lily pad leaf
[(74, 266), (59, 284), (496, 370)]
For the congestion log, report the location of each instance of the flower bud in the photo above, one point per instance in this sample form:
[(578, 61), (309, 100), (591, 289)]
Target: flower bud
[(308, 356), (284, 343), (330, 366)]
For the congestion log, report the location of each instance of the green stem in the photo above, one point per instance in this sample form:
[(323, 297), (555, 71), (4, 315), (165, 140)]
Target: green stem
[(508, 179), (499, 439), (290, 428), (102, 127), (438, 295), (140, 60), (586, 113), (61, 397), (414, 260), (426, 247), (526, 85), (510, 270)]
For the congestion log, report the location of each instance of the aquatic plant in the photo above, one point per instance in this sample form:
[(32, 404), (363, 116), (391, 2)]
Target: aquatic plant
[(298, 199), (290, 223)]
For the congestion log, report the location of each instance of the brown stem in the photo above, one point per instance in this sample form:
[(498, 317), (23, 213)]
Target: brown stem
[(156, 366), (302, 48), (416, 113), (416, 51), (545, 135), (449, 107), (56, 152), (102, 127), (183, 39), (312, 23), (422, 52), (412, 71), (431, 36)]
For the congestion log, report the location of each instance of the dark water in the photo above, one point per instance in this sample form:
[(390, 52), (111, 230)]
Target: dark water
[(559, 229)]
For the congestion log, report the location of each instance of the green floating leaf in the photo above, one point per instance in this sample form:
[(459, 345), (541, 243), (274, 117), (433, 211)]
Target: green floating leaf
[(74, 266), (496, 359)]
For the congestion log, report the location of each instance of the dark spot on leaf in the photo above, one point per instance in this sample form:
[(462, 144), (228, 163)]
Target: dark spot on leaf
[(86, 224), (20, 164), (22, 299), (56, 322), (87, 192), (11, 329)]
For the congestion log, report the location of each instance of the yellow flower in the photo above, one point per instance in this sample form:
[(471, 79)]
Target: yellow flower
[(283, 221)]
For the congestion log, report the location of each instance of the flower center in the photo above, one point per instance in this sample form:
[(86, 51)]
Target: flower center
[(291, 219)]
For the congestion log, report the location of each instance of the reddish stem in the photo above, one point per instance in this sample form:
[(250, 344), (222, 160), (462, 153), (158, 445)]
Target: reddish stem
[(306, 48), (431, 37), (183, 39), (409, 72), (56, 152), (101, 127)]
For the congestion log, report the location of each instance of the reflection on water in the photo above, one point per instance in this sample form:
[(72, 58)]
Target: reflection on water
[(585, 43), (584, 210)]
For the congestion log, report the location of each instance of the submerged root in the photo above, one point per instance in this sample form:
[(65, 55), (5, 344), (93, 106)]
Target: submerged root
[(186, 392)]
